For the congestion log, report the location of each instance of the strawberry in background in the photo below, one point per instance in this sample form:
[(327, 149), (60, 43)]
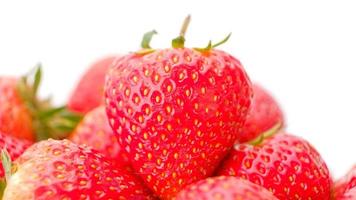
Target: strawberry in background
[(225, 188), (345, 187), (264, 118), (94, 130), (25, 116), (60, 169), (89, 92), (286, 165), (177, 111)]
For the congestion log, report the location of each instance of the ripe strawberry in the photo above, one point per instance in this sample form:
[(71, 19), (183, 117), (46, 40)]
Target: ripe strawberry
[(15, 118), (60, 169), (225, 188), (265, 116), (25, 116), (89, 93), (94, 130), (14, 146), (345, 188), (177, 112), (286, 165)]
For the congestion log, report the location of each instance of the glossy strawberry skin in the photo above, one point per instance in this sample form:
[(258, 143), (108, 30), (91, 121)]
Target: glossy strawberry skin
[(14, 146), (177, 112), (264, 115), (345, 188), (226, 188), (15, 119), (89, 92), (95, 131), (60, 169), (284, 164)]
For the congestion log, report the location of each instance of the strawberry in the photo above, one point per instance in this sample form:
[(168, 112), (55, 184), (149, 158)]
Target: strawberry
[(60, 169), (286, 165), (345, 188), (177, 111), (265, 116), (224, 188), (94, 130), (25, 116), (14, 146), (89, 92)]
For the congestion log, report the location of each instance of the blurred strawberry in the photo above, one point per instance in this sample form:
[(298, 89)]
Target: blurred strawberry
[(265, 117), (89, 93), (177, 111), (60, 169), (286, 165), (345, 188), (25, 116), (94, 130), (225, 188)]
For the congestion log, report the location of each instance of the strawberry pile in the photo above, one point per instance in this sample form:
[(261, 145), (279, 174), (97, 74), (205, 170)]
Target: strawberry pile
[(177, 123)]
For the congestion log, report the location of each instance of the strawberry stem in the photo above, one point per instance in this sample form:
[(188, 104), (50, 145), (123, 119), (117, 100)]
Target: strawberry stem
[(179, 41)]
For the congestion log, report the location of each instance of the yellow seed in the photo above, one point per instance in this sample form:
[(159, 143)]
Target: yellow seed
[(167, 68), (203, 90), (137, 99), (175, 59), (145, 92), (169, 88), (149, 156), (133, 128), (158, 99), (127, 92), (145, 135), (175, 155), (159, 118), (187, 92), (82, 182), (156, 78), (135, 79), (174, 174), (140, 145), (146, 72), (169, 109), (169, 127)]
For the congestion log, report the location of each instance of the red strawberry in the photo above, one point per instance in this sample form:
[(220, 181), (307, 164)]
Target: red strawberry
[(25, 116), (284, 164), (265, 116), (177, 112), (345, 188), (15, 118), (89, 93), (60, 169), (15, 147), (95, 131), (225, 188)]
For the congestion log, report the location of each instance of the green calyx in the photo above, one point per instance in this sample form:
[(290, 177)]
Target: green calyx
[(145, 43), (211, 46), (7, 166), (269, 133), (48, 121), (179, 41), (147, 37)]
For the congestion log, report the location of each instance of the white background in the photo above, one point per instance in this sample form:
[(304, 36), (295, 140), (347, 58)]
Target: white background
[(303, 51)]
